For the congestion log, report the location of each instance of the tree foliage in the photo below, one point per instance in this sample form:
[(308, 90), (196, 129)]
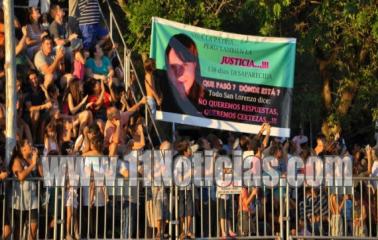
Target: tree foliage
[(198, 13), (337, 49)]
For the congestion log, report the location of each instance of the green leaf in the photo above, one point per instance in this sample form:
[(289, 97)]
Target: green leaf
[(374, 30), (286, 2), (277, 10)]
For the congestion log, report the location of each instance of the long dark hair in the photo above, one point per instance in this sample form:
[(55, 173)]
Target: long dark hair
[(149, 65), (73, 89), (89, 86), (177, 42), (16, 153), (30, 12)]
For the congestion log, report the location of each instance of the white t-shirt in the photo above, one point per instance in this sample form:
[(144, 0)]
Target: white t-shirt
[(374, 173), (179, 175), (40, 60)]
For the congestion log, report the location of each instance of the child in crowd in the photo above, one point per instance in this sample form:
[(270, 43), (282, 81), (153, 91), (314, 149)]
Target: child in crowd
[(359, 220), (50, 139), (79, 60)]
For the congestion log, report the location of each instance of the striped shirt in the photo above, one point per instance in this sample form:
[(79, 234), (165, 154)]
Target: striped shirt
[(315, 206), (89, 12)]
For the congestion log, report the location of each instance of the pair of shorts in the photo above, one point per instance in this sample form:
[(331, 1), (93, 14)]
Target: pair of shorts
[(224, 209), (185, 203), (25, 214)]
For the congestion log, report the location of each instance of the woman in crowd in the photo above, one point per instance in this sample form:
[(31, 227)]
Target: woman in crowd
[(35, 32), (76, 106), (94, 197), (24, 164), (99, 66), (73, 102), (98, 98)]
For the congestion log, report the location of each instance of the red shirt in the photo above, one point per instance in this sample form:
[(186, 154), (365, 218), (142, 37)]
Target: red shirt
[(2, 35), (106, 102)]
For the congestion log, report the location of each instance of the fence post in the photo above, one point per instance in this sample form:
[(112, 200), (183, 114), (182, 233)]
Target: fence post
[(287, 211), (281, 208), (10, 74), (110, 22), (127, 67)]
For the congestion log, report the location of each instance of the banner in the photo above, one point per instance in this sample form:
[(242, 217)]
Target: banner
[(222, 80)]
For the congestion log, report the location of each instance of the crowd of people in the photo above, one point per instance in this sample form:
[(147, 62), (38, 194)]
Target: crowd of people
[(71, 100)]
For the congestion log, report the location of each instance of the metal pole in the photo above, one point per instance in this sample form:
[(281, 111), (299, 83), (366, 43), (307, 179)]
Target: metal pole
[(127, 68), (10, 74), (173, 132)]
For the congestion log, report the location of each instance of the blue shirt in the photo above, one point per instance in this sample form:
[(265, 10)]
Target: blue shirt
[(349, 210), (103, 69)]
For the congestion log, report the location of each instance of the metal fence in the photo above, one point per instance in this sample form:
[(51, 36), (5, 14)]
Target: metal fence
[(140, 212)]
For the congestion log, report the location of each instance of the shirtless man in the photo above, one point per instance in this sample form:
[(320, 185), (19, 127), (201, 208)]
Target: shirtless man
[(152, 96)]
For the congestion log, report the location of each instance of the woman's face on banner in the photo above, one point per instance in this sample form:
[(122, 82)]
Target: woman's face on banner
[(182, 74)]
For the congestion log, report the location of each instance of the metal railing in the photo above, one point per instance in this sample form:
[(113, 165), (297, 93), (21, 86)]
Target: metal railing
[(351, 212), (128, 66), (121, 211)]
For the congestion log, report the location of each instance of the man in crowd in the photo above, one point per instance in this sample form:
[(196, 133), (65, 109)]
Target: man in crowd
[(36, 106), (47, 63), (58, 28), (89, 22), (114, 126)]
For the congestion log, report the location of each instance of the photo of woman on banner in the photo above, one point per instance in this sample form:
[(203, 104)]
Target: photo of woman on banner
[(184, 75)]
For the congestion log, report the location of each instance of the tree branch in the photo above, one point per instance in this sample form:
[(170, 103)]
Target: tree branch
[(221, 5)]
